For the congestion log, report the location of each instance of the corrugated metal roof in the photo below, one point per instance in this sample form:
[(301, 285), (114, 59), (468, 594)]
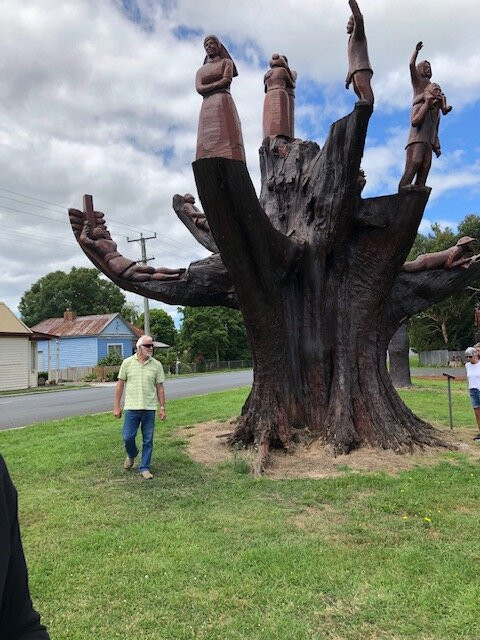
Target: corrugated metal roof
[(136, 330), (81, 326)]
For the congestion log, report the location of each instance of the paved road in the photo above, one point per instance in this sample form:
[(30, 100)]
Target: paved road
[(18, 411)]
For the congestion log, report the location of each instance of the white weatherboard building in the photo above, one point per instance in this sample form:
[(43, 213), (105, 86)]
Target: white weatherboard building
[(18, 352)]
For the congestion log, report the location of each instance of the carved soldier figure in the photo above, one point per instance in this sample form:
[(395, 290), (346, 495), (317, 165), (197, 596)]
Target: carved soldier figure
[(278, 107), (219, 132), (359, 69), (447, 259)]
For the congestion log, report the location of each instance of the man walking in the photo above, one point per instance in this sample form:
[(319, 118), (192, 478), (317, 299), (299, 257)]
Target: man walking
[(142, 377)]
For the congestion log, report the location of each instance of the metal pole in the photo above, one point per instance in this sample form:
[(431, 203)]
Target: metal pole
[(449, 378), (144, 260)]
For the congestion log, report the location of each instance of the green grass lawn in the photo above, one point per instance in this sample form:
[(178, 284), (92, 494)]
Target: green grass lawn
[(215, 554)]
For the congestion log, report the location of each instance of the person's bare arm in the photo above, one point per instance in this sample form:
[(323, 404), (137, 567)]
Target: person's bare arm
[(162, 414), (117, 408)]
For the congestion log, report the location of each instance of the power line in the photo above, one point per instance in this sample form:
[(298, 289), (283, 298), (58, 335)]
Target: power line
[(166, 239)]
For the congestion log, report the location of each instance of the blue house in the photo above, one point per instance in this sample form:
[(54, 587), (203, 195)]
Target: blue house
[(82, 341)]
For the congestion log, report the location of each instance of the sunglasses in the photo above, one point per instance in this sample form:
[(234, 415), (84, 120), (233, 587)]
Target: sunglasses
[(148, 346)]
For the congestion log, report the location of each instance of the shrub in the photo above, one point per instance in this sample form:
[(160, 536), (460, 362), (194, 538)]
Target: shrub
[(112, 359)]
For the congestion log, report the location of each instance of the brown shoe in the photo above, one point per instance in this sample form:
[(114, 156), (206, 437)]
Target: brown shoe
[(146, 475), (128, 464)]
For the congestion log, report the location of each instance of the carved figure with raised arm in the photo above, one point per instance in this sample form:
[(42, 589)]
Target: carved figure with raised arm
[(456, 256), (421, 75), (359, 69), (219, 131), (278, 107), (423, 137)]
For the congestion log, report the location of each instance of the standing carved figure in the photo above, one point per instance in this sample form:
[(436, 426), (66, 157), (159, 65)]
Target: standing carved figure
[(428, 101), (219, 131), (278, 107), (359, 69), (423, 137), (421, 75)]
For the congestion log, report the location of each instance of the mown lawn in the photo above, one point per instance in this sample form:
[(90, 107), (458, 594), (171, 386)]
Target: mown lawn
[(215, 554)]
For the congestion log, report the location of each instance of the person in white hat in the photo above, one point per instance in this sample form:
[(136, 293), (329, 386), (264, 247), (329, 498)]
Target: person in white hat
[(473, 374)]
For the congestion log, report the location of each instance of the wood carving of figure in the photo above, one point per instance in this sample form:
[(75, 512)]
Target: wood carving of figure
[(423, 137), (100, 242), (278, 107), (448, 259), (219, 131), (477, 323), (361, 180), (359, 69), (198, 218), (421, 75)]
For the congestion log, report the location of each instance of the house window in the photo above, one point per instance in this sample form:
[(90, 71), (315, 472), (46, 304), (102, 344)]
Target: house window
[(115, 349)]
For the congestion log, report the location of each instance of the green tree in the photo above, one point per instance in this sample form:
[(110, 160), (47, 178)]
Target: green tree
[(470, 226), (131, 313), (448, 324), (213, 333), (162, 326), (83, 290)]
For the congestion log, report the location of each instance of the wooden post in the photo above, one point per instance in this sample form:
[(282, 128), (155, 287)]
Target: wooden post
[(89, 212)]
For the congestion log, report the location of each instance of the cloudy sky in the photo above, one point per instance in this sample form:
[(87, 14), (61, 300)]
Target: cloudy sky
[(97, 96)]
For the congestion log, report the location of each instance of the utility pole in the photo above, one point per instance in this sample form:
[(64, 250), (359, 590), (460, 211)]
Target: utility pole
[(144, 260)]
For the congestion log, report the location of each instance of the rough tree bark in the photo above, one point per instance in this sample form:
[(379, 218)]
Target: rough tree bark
[(315, 270), (398, 354)]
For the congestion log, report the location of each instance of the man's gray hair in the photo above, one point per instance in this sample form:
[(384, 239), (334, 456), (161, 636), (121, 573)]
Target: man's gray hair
[(143, 339), (471, 351)]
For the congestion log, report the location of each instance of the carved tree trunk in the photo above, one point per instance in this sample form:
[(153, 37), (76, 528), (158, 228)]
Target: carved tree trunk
[(313, 296), (398, 352), (316, 272)]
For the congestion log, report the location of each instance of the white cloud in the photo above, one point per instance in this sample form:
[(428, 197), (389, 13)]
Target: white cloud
[(92, 102)]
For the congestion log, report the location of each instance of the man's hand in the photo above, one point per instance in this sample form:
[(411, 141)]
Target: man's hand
[(162, 414), (117, 412)]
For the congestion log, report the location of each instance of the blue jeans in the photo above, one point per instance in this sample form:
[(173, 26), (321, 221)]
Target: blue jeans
[(132, 420)]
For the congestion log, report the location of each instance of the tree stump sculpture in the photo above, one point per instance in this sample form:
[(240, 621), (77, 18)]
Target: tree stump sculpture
[(317, 273)]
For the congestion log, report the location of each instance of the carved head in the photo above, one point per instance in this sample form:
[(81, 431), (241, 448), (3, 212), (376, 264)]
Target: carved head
[(465, 241), (424, 69), (212, 46), (189, 198), (278, 61), (100, 232), (350, 25)]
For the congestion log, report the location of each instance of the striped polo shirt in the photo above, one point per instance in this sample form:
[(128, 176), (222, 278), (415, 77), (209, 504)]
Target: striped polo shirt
[(141, 382)]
